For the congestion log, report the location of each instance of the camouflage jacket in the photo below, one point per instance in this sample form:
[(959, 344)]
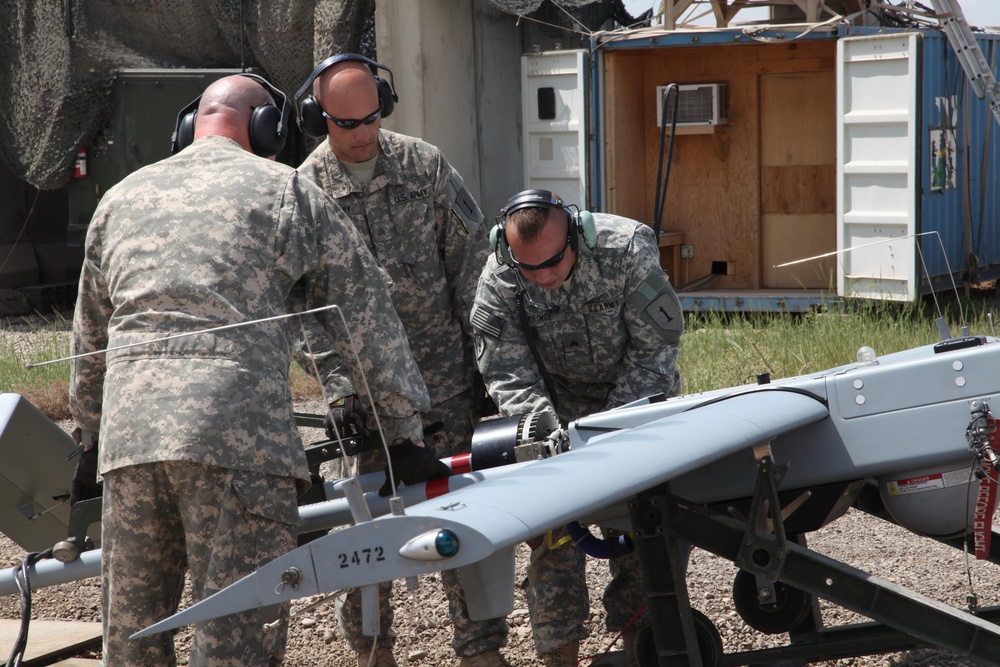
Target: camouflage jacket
[(425, 229), (210, 237), (609, 339)]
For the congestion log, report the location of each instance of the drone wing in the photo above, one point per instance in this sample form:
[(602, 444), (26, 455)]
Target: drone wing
[(477, 527)]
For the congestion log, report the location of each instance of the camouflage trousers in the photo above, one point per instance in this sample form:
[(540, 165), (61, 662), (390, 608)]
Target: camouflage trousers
[(558, 598), (470, 637), (160, 520)]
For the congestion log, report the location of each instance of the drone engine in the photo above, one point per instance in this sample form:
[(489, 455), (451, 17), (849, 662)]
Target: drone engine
[(526, 437)]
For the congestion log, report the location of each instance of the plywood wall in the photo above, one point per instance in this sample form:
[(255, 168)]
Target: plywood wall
[(719, 181)]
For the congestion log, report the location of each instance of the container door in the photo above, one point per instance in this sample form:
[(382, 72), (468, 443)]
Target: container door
[(553, 93), (876, 167), (798, 166)]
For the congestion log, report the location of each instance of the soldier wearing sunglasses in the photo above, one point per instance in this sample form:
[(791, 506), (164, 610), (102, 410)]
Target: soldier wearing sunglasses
[(424, 227), (574, 315)]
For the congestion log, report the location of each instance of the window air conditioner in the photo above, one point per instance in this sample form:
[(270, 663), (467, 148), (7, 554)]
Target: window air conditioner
[(699, 104)]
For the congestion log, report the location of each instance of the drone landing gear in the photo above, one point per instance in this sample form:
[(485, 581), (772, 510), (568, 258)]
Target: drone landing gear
[(769, 607), (707, 636), (758, 546)]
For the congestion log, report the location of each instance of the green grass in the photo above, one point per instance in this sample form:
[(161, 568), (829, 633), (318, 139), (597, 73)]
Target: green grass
[(717, 350), (725, 350), (45, 386)]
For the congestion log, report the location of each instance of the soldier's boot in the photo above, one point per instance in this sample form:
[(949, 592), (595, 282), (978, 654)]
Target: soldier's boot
[(380, 657), (564, 656), (491, 658), (628, 642)]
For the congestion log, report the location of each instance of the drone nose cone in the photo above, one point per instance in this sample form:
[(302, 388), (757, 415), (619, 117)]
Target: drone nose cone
[(432, 545)]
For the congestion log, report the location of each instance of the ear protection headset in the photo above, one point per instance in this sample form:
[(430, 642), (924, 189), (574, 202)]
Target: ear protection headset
[(311, 118), (268, 123), (581, 223)]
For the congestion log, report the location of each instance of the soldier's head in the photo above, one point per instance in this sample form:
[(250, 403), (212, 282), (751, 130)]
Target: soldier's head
[(241, 108), (540, 241), (349, 99)]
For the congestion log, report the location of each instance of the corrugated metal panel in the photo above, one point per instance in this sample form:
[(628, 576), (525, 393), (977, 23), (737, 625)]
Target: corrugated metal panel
[(876, 166), (960, 168)]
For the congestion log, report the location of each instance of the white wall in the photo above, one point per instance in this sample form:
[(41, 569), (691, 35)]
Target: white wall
[(456, 68)]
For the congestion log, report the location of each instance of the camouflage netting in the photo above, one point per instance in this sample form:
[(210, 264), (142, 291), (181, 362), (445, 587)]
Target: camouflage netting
[(59, 59)]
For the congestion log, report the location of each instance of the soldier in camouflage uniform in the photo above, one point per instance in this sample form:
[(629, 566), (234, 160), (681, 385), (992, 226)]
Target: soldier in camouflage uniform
[(585, 294), (424, 227), (200, 456)]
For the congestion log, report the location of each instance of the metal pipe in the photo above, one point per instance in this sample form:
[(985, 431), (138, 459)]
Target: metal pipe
[(50, 572), (335, 512)]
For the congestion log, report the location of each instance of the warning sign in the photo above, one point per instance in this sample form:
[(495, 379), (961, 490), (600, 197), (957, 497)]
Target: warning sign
[(923, 483), (902, 487)]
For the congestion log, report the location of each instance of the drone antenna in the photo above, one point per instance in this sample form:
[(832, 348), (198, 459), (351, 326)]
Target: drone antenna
[(951, 276), (940, 322), (367, 391), (326, 399), (224, 327)]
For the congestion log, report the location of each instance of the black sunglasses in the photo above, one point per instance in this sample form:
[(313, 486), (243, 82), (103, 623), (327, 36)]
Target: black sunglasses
[(351, 123), (547, 264)]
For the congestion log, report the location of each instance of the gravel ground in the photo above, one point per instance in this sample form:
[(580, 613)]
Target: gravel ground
[(424, 631)]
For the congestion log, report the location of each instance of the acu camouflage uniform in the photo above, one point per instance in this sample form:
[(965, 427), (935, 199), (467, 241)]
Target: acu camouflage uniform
[(199, 451), (607, 337), (425, 229)]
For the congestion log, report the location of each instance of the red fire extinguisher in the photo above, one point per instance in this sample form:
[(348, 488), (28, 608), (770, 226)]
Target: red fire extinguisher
[(80, 168)]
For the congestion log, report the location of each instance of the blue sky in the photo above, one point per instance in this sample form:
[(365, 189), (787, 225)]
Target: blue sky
[(977, 12)]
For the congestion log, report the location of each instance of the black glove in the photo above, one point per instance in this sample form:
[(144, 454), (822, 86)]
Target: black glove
[(85, 485), (412, 464), (349, 416)]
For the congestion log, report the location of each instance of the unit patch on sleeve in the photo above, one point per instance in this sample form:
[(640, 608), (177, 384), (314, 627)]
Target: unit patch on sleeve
[(657, 303), (462, 203)]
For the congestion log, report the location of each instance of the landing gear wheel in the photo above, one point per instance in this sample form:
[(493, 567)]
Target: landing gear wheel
[(789, 609), (709, 642)]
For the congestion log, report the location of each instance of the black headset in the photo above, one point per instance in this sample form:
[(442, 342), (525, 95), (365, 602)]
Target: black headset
[(268, 123), (311, 118), (581, 223)]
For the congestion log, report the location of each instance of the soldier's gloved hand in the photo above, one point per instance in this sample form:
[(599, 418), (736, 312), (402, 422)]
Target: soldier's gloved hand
[(85, 485), (348, 415), (412, 464)]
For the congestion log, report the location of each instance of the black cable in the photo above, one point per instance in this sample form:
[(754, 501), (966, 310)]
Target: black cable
[(984, 167), (243, 40), (549, 386), (661, 193), (747, 392), (24, 589)]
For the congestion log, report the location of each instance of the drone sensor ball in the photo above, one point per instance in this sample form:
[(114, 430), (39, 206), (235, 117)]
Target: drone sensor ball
[(433, 545)]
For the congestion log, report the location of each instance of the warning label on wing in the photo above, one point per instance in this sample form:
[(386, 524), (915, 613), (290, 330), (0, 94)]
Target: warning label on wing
[(902, 487)]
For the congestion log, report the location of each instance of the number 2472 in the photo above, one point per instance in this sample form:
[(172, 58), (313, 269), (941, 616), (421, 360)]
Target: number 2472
[(361, 557)]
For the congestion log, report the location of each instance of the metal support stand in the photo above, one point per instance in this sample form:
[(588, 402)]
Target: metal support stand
[(669, 607), (82, 516), (766, 552)]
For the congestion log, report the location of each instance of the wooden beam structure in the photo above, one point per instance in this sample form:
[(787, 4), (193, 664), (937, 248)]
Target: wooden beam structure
[(724, 11)]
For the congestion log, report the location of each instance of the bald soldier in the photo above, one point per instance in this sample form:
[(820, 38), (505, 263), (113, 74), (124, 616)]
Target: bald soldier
[(423, 226), (200, 456)]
